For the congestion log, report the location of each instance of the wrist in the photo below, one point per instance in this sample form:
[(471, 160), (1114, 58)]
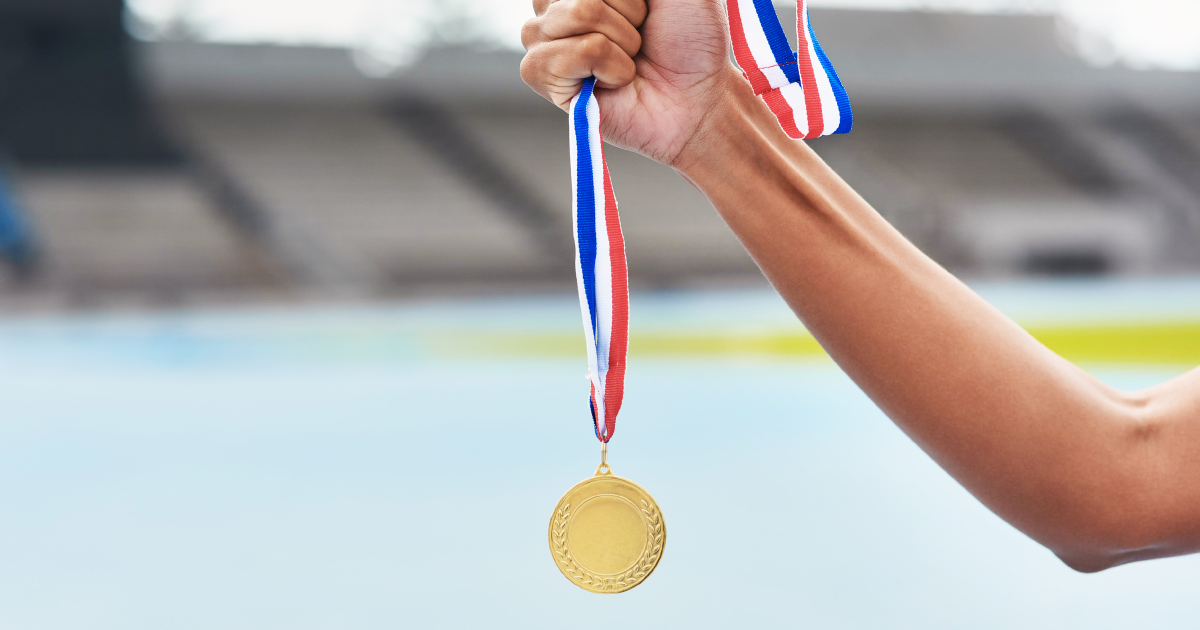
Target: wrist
[(735, 122), (743, 161)]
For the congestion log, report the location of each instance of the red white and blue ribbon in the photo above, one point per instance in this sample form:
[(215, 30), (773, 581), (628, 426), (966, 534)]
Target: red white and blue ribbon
[(600, 267), (802, 90)]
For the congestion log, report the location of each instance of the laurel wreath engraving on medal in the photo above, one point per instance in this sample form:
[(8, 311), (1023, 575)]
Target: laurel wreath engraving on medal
[(628, 579)]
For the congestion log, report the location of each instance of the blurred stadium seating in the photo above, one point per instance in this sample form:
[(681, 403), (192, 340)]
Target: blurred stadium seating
[(174, 171)]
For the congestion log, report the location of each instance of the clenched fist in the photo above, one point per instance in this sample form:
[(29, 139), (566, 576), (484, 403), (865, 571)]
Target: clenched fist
[(661, 66)]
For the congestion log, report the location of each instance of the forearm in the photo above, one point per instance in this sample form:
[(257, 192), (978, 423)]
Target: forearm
[(1043, 444)]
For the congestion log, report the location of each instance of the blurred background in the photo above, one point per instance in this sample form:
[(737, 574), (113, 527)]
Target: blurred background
[(288, 333)]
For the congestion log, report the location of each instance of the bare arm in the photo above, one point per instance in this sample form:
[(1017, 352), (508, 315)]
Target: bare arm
[(1099, 476)]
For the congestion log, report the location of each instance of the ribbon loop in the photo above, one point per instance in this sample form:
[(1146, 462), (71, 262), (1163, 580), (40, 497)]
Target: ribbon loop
[(802, 89)]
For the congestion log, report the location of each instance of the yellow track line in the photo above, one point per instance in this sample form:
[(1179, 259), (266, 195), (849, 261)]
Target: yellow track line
[(1153, 343)]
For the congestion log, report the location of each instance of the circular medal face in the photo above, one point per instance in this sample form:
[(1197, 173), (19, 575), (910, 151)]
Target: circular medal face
[(607, 534)]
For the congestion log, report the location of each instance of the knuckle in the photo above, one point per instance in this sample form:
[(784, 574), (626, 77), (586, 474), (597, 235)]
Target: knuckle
[(529, 70), (595, 46), (592, 10), (531, 33), (583, 14)]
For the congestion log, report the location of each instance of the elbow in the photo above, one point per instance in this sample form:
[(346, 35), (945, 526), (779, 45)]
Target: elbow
[(1090, 561), (1103, 555), (1115, 536), (1121, 518)]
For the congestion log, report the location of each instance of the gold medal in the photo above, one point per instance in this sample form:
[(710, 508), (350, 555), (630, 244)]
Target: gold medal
[(607, 533)]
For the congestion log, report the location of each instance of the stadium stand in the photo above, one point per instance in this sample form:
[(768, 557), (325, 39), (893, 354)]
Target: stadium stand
[(280, 172)]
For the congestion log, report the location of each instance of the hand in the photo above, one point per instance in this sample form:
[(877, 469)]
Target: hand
[(661, 66)]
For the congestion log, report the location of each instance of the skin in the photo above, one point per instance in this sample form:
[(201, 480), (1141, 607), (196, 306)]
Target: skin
[(1099, 476)]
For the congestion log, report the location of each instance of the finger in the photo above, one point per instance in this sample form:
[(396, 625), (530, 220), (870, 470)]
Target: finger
[(579, 17), (556, 69), (635, 11)]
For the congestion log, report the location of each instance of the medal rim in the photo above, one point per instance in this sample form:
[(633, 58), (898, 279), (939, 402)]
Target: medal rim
[(609, 476)]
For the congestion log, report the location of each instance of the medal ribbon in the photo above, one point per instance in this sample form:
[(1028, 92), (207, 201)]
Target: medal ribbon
[(778, 75), (802, 90), (600, 269)]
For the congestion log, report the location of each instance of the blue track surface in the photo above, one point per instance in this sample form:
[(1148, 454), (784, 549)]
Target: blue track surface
[(223, 471)]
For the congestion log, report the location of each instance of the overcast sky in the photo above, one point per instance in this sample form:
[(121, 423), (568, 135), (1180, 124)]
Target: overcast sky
[(387, 33)]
